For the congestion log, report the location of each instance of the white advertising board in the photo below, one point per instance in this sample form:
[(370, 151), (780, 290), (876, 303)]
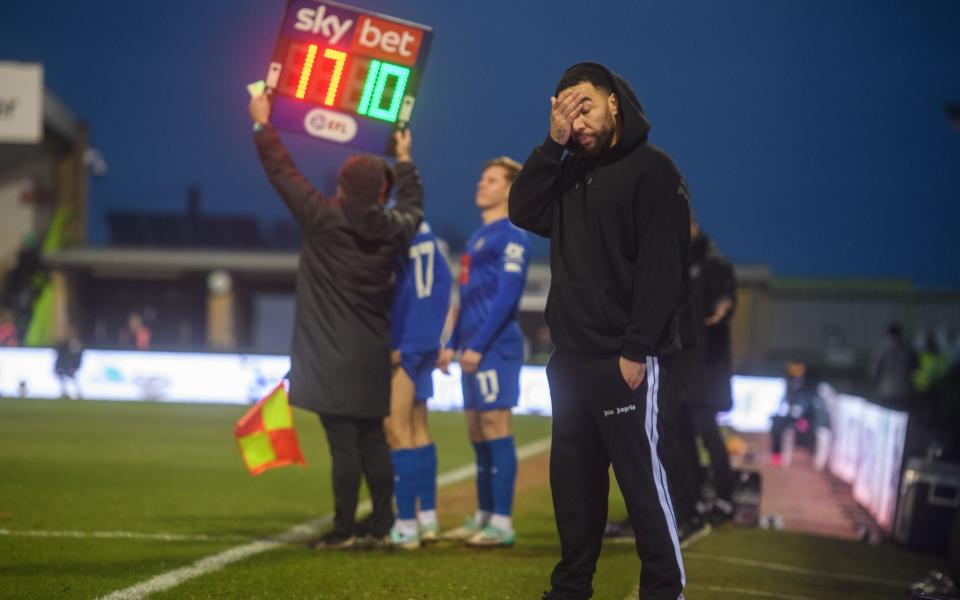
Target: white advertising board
[(244, 378)]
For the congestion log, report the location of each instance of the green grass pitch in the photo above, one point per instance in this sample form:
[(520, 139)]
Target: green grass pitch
[(174, 469)]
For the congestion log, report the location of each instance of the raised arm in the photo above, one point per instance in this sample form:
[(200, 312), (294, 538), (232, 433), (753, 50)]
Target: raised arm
[(536, 190), (408, 210), (402, 221), (304, 201)]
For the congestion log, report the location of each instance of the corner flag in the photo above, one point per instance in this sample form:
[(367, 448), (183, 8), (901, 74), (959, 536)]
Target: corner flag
[(266, 435)]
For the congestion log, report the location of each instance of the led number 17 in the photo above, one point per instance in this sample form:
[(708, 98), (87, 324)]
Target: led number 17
[(339, 60)]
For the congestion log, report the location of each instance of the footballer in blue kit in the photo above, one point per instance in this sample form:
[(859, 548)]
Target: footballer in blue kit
[(488, 337), (420, 304)]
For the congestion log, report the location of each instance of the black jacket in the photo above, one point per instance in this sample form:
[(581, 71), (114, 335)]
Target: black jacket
[(619, 229), (712, 281), (341, 337), (710, 363)]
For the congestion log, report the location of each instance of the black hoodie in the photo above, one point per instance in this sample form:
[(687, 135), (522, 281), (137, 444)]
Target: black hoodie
[(619, 229)]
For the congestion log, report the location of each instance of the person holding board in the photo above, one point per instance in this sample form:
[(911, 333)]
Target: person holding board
[(340, 355)]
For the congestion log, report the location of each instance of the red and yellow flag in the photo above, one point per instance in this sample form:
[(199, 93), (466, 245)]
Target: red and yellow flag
[(266, 435)]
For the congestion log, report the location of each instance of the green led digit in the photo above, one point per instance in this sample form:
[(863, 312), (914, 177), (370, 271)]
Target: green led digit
[(371, 102), (368, 87)]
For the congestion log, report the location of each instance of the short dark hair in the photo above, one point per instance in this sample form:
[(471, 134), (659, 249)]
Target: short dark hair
[(588, 72)]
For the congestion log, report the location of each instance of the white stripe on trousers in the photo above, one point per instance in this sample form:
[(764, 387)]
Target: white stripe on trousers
[(659, 475)]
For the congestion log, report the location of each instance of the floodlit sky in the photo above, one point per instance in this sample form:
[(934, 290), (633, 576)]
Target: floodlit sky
[(813, 134)]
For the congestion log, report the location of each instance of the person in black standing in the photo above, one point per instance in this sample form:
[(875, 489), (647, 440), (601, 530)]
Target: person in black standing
[(893, 369), (699, 389), (702, 387), (340, 355), (617, 213), (69, 357)]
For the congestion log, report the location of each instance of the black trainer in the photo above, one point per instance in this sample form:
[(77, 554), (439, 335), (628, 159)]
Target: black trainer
[(692, 530), (364, 526), (722, 512), (334, 541)]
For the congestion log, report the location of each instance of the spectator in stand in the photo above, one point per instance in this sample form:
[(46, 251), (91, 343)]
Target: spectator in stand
[(893, 369), (931, 366), (934, 414), (948, 412), (69, 356), (8, 331), (24, 282), (803, 414), (136, 333)]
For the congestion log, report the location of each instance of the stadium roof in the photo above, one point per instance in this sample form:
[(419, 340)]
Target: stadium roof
[(61, 128), (151, 262)]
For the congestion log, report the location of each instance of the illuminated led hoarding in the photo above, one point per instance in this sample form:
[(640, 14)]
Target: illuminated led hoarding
[(245, 378)]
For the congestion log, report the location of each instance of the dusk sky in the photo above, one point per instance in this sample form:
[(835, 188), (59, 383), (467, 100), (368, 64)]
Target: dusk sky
[(812, 134)]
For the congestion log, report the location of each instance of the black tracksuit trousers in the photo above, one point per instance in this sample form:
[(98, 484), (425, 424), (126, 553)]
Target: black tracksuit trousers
[(684, 421), (599, 420), (358, 447), (701, 421)]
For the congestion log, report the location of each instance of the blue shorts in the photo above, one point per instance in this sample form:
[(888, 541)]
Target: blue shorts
[(495, 385), (419, 367)]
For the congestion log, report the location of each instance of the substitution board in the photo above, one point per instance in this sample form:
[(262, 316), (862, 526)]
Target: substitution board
[(345, 75)]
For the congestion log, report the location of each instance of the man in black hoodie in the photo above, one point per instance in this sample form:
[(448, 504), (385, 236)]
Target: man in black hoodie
[(616, 211), (341, 338)]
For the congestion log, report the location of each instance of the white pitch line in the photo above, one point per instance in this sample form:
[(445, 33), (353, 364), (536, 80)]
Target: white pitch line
[(772, 566), (635, 594), (298, 533), (748, 592), (124, 535), (780, 567), (209, 564)]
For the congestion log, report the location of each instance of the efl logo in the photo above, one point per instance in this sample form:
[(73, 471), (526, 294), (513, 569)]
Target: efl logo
[(387, 41), (329, 125)]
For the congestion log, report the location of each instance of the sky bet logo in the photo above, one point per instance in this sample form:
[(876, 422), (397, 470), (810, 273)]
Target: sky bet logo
[(387, 41), (376, 38), (316, 20)]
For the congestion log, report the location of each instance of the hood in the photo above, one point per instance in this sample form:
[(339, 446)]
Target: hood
[(360, 180), (634, 125)]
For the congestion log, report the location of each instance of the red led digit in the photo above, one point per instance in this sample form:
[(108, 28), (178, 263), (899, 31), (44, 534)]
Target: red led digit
[(339, 58), (305, 74)]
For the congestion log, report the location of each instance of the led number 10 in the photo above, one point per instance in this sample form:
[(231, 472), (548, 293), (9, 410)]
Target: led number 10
[(339, 59), (372, 100)]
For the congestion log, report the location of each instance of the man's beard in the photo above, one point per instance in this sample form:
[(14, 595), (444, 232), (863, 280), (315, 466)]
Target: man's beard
[(601, 138)]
